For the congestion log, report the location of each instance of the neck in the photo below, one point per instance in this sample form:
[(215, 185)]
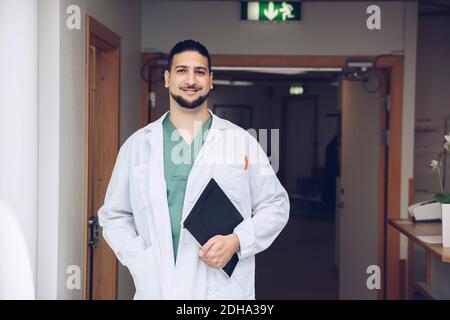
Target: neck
[(184, 118), (188, 119)]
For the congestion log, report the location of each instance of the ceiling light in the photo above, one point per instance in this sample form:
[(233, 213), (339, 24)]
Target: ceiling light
[(232, 83), (277, 70)]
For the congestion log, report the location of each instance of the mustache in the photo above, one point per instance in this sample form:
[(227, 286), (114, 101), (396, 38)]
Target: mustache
[(194, 87)]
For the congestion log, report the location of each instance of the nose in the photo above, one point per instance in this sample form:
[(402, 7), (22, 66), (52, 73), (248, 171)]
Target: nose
[(190, 78)]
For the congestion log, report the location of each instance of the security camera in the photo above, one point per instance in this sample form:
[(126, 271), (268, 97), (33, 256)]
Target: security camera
[(357, 70)]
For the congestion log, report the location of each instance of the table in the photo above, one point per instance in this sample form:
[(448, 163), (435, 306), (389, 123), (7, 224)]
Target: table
[(412, 230)]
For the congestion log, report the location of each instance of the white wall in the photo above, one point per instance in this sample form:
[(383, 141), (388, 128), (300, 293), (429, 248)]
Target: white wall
[(326, 28), (409, 105), (122, 17), (49, 94), (433, 106), (71, 150), (19, 139), (433, 99)]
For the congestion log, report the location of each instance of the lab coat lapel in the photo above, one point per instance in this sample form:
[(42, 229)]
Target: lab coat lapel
[(158, 195), (201, 171)]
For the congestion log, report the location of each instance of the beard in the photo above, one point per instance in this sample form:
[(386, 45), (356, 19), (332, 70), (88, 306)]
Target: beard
[(189, 105)]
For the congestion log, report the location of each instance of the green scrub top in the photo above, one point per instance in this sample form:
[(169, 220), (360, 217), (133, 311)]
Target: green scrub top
[(179, 158)]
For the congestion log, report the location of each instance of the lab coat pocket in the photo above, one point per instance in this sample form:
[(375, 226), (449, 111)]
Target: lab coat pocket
[(142, 207), (233, 180), (146, 275), (140, 187), (225, 288)]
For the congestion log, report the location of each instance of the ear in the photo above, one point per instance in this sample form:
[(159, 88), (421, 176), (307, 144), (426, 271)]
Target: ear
[(211, 77), (166, 78)]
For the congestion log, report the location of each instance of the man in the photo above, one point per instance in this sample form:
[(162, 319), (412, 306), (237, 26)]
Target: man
[(160, 172)]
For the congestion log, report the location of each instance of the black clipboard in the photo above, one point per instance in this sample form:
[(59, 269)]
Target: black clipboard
[(213, 214)]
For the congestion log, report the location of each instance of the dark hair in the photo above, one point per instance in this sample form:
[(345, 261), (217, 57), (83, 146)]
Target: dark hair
[(188, 45)]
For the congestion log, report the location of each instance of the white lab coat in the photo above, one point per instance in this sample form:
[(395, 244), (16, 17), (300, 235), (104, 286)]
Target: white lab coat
[(136, 223)]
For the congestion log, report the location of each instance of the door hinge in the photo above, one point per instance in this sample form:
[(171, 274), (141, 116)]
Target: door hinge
[(152, 99), (94, 231), (386, 102), (385, 137)]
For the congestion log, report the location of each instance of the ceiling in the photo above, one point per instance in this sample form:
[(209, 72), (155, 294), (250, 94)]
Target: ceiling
[(434, 8)]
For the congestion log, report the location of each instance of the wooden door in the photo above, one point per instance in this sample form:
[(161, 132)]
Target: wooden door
[(103, 74), (361, 195)]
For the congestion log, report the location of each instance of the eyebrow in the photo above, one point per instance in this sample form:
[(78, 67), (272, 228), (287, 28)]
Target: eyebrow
[(195, 68)]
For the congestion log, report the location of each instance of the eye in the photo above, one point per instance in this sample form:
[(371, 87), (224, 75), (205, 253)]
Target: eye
[(180, 70), (201, 72)]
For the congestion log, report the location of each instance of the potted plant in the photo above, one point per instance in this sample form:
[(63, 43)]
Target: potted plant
[(439, 166)]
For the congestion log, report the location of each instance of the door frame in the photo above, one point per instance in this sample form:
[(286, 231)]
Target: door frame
[(148, 71), (99, 36), (392, 269)]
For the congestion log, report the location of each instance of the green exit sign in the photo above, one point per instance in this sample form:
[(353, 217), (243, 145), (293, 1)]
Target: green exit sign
[(270, 10)]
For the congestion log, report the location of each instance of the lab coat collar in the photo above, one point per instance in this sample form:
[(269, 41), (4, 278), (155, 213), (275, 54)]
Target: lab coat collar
[(217, 123)]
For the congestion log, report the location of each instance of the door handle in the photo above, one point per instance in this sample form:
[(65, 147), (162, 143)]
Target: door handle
[(94, 231)]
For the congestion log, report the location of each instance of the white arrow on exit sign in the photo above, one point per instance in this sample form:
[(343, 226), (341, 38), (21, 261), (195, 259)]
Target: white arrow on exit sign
[(270, 12)]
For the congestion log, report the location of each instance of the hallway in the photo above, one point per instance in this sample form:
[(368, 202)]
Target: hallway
[(381, 91), (304, 248)]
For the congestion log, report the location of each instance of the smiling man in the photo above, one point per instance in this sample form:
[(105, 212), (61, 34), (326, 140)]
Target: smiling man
[(160, 172)]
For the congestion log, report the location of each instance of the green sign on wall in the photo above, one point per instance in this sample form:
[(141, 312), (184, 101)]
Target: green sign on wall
[(270, 10)]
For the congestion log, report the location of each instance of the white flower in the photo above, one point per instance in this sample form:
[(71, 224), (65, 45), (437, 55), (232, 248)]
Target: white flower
[(447, 138), (447, 146), (434, 164)]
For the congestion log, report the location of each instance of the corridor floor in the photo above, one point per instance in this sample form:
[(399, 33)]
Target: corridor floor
[(300, 263)]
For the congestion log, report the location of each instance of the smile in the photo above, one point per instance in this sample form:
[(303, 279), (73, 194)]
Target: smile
[(190, 91)]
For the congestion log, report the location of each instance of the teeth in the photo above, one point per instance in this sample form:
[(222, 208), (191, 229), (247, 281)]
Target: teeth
[(189, 91)]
